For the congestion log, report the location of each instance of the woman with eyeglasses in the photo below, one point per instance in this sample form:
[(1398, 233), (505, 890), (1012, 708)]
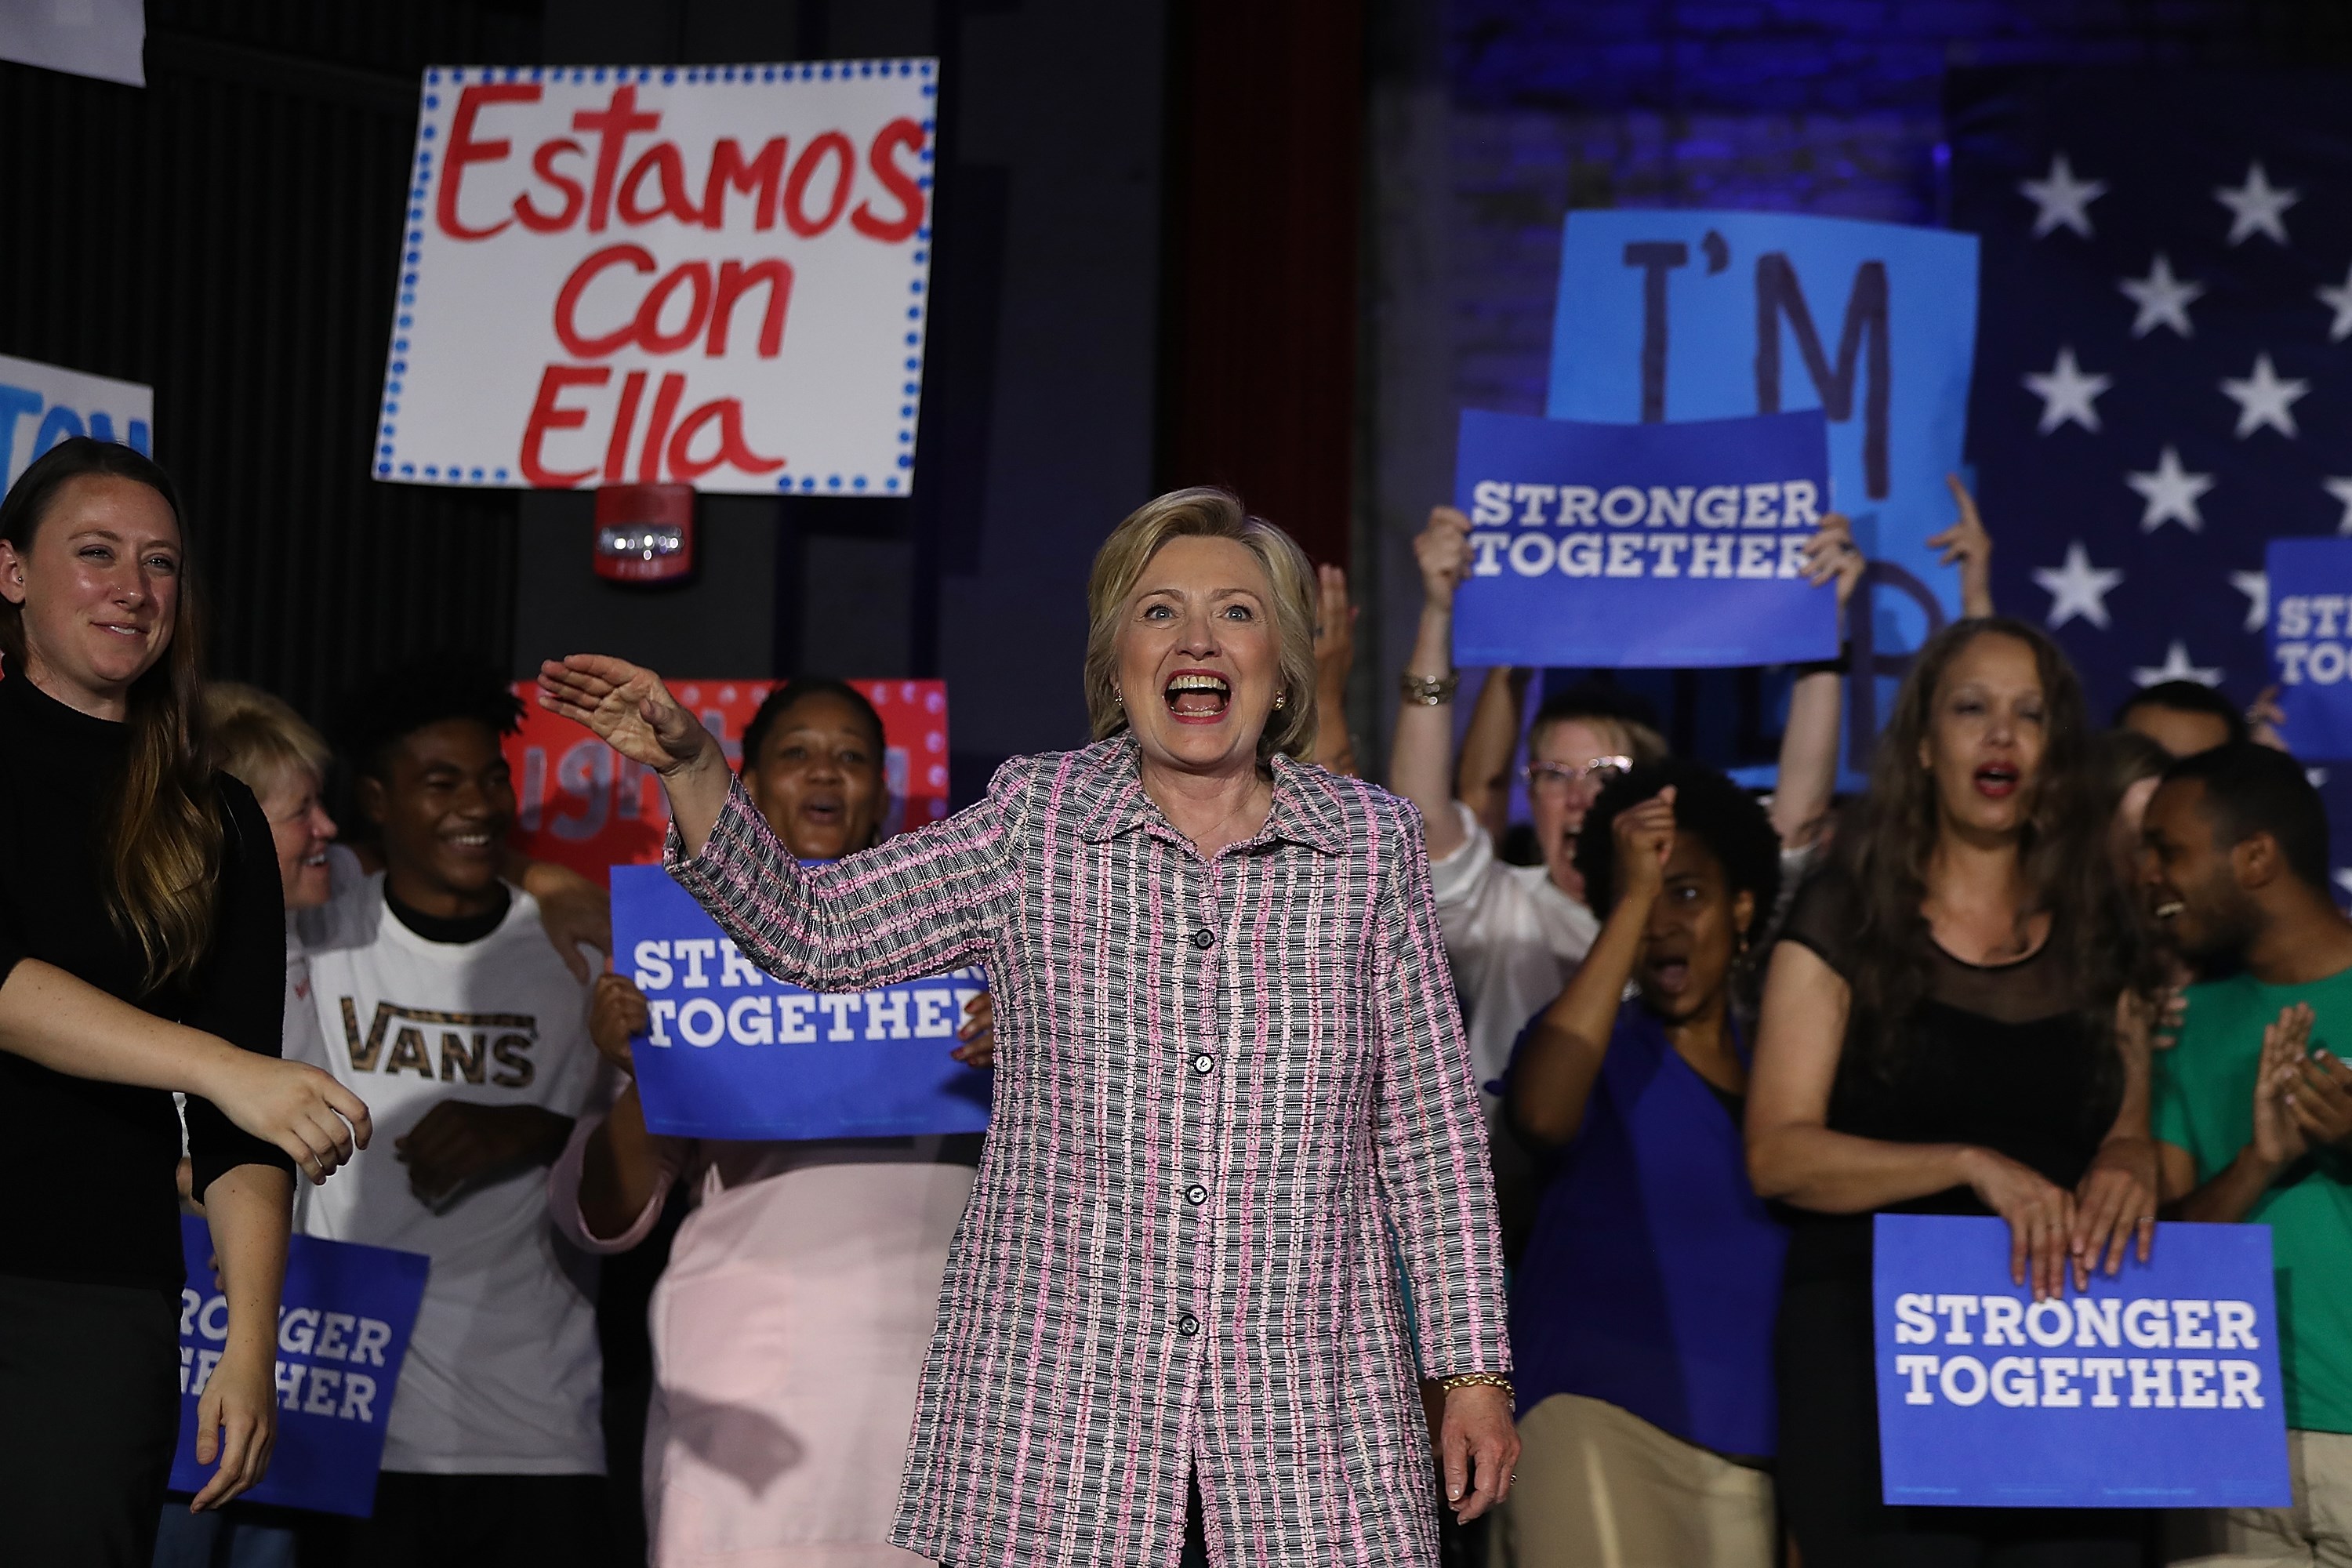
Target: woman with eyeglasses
[(1514, 934)]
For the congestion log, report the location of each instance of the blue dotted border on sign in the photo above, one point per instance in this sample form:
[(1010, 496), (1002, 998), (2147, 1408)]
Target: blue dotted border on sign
[(393, 466)]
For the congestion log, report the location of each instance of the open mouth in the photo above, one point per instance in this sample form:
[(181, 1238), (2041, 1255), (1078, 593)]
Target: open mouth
[(1996, 780), (826, 811), (1670, 975), (2167, 909), (1197, 696), (477, 841)]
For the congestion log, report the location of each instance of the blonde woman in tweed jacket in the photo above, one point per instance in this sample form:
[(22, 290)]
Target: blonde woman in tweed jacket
[(1229, 1069)]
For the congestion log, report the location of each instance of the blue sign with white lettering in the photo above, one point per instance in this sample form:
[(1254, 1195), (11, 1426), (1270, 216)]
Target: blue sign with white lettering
[(42, 405), (2310, 639), (343, 1324), (732, 1052), (2155, 1388), (1641, 546), (1712, 315)]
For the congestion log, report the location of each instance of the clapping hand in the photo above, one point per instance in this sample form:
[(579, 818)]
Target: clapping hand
[(2280, 1138), (2312, 1089)]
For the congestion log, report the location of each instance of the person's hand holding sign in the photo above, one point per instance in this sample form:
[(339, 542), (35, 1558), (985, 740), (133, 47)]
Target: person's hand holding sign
[(1832, 555), (1442, 551), (978, 1034), (2040, 1215), (2114, 1204), (2115, 1200), (616, 1010)]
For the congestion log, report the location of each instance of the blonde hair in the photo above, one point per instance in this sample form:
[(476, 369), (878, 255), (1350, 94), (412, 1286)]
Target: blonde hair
[(257, 738), (1206, 513), (1630, 737)]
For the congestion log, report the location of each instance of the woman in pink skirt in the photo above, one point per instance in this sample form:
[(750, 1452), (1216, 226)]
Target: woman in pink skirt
[(790, 1326)]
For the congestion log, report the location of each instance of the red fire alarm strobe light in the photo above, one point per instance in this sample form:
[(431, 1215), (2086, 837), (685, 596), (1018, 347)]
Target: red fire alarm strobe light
[(644, 533)]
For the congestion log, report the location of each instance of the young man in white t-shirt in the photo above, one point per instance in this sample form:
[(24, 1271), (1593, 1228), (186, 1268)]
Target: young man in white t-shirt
[(440, 999)]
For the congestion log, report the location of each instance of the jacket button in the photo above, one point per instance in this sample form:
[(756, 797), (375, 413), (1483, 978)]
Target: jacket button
[(1203, 1062), (1188, 1325), (1204, 939), (1196, 1194)]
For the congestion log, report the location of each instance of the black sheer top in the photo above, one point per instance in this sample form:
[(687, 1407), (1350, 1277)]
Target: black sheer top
[(1997, 1054)]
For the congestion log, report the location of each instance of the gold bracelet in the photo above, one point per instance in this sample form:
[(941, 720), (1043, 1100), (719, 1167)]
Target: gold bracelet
[(1477, 1380), (1429, 690)]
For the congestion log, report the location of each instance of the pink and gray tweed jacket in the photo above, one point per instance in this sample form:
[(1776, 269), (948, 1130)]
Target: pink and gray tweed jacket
[(1221, 1086)]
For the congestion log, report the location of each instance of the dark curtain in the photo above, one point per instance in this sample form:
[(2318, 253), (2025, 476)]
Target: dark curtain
[(1265, 110), (229, 235)]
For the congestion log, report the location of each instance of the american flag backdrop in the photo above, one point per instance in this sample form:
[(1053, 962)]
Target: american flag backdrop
[(2163, 358)]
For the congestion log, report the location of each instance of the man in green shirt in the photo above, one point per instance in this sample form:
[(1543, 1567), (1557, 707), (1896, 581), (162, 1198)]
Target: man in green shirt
[(2253, 1105)]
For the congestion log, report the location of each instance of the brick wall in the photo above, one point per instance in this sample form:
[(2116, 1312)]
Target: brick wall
[(1830, 107), (1491, 119)]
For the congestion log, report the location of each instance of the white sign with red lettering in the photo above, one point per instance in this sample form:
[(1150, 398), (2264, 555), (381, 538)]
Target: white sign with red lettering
[(716, 275)]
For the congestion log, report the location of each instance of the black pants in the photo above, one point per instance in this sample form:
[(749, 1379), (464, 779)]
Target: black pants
[(90, 1412), (1196, 1528), (458, 1522), (1828, 1465)]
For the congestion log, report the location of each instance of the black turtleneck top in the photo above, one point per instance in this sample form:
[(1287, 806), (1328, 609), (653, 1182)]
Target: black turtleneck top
[(87, 1168)]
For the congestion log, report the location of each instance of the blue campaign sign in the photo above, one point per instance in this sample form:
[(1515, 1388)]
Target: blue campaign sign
[(2156, 1388), (1641, 546), (2310, 635), (735, 1053), (42, 405), (1713, 315), (342, 1329)]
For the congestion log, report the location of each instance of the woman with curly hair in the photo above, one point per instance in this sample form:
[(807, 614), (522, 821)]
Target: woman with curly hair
[(1642, 1314), (1953, 1023)]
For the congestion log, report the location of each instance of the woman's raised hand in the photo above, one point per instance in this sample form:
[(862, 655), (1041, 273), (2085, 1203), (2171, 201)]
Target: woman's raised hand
[(1645, 834), (1442, 551), (628, 707)]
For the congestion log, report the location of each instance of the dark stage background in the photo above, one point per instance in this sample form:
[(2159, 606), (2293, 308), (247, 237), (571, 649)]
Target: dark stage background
[(1275, 245)]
